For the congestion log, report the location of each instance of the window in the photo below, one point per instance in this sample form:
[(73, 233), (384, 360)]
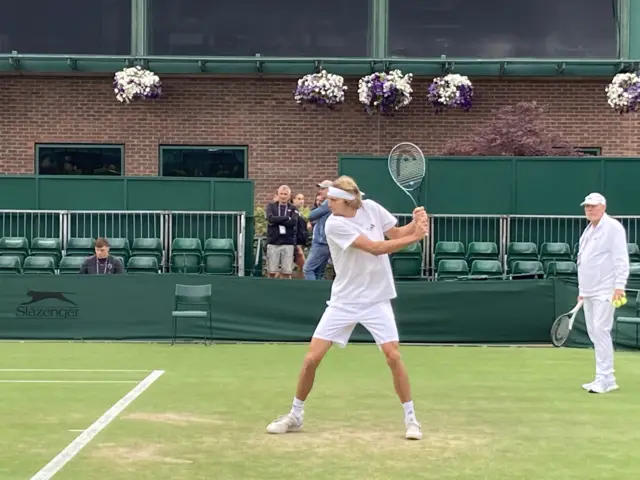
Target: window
[(66, 159), (203, 161), (66, 27), (332, 28), (593, 151), (503, 28)]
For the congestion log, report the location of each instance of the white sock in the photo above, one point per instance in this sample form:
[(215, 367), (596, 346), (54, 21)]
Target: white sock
[(409, 412), (296, 409)]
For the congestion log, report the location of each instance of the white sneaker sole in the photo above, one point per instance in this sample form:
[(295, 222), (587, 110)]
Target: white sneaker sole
[(612, 388)]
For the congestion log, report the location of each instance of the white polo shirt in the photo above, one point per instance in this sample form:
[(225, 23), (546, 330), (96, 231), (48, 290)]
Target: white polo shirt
[(360, 276), (603, 258)]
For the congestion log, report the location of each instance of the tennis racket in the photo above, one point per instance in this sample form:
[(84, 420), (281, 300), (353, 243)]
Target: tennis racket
[(408, 168), (561, 328)]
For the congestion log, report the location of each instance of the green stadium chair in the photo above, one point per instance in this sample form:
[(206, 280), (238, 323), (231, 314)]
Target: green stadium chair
[(447, 250), (554, 251), (521, 251), (629, 321), (143, 264), (634, 271), (186, 255), (192, 301), (527, 269), (561, 269), (71, 265), (148, 247), (452, 268), (120, 247), (47, 247), (80, 247), (15, 247), (219, 256), (39, 265), (486, 269), (407, 262), (634, 252), (482, 251), (10, 265)]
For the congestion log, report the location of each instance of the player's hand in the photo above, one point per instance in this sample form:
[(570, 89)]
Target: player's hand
[(421, 229), (419, 213), (579, 298), (618, 293)]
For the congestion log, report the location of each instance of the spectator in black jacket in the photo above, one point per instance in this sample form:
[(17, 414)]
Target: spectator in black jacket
[(282, 234)]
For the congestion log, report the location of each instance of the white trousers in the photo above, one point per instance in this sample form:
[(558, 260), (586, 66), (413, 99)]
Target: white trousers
[(598, 315)]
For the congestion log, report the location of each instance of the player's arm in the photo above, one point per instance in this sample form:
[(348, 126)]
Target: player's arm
[(389, 221), (346, 235)]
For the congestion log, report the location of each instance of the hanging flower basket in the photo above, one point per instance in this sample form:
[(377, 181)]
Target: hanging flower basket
[(623, 93), (450, 91), (385, 93), (321, 89), (136, 83)]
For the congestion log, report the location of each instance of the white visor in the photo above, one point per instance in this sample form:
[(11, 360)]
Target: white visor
[(339, 193)]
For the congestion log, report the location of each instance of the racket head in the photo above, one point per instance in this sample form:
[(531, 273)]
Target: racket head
[(560, 330), (407, 166)]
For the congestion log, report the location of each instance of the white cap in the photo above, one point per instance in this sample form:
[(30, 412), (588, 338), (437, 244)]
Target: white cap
[(325, 184), (594, 199)]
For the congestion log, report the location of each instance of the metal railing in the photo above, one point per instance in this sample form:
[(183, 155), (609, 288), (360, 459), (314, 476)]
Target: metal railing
[(164, 225), (504, 229)]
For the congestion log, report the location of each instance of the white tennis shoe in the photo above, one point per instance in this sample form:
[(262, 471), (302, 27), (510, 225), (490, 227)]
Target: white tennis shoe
[(286, 423), (414, 430), (587, 386), (603, 387)]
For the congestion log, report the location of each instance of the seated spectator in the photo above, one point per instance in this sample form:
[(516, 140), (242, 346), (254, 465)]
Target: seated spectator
[(102, 263)]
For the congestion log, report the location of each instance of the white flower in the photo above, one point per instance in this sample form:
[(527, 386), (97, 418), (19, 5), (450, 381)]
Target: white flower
[(623, 93), (136, 82), (385, 92), (453, 91), (321, 89)]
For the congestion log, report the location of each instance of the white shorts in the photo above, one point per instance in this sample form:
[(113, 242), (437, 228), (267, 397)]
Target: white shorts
[(338, 321)]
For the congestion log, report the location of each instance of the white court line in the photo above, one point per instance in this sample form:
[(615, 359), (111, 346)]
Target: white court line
[(85, 437), (68, 381), (63, 370)]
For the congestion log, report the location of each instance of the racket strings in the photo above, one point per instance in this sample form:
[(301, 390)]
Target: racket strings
[(407, 168)]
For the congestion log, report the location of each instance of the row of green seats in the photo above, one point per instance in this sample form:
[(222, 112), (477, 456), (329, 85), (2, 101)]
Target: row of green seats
[(516, 251), (187, 256), (458, 268)]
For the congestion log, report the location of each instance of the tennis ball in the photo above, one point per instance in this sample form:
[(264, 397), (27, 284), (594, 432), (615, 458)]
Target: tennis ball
[(624, 300), (617, 303)]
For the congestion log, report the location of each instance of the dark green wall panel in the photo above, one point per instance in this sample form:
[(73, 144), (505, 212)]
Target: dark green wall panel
[(555, 186), (168, 194), (471, 186), (491, 186), (81, 193), (18, 193), (233, 196)]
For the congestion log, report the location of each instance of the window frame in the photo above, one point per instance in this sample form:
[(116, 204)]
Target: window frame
[(590, 151), (38, 146), (166, 147)]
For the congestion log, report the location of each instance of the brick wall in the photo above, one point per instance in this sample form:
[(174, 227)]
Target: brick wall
[(286, 143)]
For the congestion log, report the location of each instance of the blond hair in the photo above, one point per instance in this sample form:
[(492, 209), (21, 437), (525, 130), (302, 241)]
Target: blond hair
[(348, 184)]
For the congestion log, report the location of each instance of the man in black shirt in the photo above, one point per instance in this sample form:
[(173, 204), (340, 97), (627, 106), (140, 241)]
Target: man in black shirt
[(282, 222), (102, 263)]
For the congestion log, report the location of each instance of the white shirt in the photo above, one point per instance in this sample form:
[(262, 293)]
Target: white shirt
[(603, 258), (360, 276)]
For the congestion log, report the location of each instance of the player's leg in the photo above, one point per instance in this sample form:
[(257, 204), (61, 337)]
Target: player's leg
[(603, 312), (334, 327), (379, 320)]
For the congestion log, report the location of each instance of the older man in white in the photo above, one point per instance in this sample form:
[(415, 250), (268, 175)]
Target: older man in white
[(603, 269)]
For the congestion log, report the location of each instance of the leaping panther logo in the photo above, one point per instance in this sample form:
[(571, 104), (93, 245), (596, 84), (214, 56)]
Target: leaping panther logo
[(39, 296)]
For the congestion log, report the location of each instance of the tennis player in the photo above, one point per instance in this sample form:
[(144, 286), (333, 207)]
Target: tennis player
[(603, 270), (361, 293)]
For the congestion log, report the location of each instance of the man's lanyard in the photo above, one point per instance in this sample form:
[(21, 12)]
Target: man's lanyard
[(106, 265)]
